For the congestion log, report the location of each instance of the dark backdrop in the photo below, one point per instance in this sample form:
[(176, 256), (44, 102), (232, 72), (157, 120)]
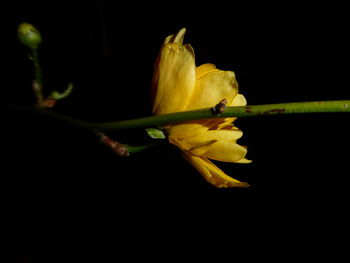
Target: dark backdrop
[(61, 182)]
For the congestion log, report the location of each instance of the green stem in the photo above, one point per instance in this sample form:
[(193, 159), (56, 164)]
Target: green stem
[(160, 120), (55, 116), (243, 111), (37, 67), (38, 79)]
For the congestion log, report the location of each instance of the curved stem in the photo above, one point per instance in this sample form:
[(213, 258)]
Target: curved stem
[(124, 149), (55, 116), (141, 148), (160, 120)]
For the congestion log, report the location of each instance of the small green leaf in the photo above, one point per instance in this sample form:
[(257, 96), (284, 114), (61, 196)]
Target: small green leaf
[(155, 133), (58, 96)]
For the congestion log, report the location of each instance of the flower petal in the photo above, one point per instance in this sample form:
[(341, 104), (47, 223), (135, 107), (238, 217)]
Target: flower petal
[(213, 87), (174, 76), (226, 151), (197, 148), (239, 100), (179, 37), (244, 160), (168, 39), (186, 129), (189, 128), (204, 69), (212, 173), (224, 135), (200, 138)]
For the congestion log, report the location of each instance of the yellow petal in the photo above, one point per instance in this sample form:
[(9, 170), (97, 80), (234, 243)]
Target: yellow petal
[(201, 148), (204, 69), (213, 87), (244, 160), (212, 173), (199, 137), (187, 129), (197, 148), (208, 142), (174, 76), (223, 135), (239, 100), (225, 151), (168, 39), (226, 124), (178, 38)]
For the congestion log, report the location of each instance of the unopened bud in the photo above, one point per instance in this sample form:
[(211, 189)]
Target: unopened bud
[(29, 35)]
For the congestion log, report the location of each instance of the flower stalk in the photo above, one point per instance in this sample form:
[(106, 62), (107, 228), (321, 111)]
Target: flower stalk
[(38, 79)]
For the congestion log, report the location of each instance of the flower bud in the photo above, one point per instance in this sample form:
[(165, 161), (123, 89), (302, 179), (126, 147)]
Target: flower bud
[(29, 35)]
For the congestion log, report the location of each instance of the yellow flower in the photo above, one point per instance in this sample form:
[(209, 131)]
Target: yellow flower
[(178, 85)]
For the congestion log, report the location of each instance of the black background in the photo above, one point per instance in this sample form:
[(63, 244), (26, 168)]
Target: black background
[(60, 183)]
